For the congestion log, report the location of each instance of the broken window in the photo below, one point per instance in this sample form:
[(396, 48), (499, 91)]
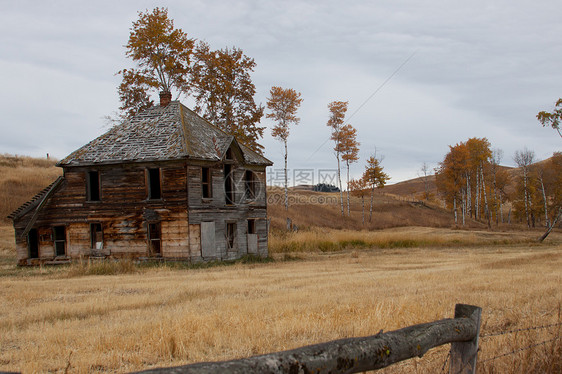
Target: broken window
[(33, 243), (154, 184), (59, 238), (228, 184), (206, 183), (96, 236), (154, 238), (250, 182), (93, 186), (251, 226), (228, 155), (230, 235)]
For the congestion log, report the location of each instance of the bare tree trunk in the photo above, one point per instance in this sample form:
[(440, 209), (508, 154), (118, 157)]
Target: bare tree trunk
[(526, 200), (477, 197), (339, 181), (546, 223), (463, 206), (483, 182), (363, 203), (468, 196), (347, 189), (501, 208), (286, 181), (371, 207), (495, 196), (455, 209), (543, 237)]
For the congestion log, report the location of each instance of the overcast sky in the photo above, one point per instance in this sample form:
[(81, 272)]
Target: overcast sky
[(453, 70)]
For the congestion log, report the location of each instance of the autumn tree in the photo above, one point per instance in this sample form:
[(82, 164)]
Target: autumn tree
[(224, 92), (162, 56), (500, 179), (349, 148), (552, 119), (451, 178), (375, 177), (335, 122), (524, 159), (462, 178), (359, 188), (283, 105), (479, 159)]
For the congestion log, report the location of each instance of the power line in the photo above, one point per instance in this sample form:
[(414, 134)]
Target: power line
[(369, 98)]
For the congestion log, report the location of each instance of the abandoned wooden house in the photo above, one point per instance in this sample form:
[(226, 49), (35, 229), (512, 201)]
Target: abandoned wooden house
[(165, 183)]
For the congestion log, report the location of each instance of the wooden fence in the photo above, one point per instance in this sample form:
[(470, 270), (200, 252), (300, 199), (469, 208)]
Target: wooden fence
[(355, 355)]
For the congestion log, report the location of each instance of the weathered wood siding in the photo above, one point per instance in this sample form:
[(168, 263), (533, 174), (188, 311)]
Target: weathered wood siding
[(124, 212), (216, 210)]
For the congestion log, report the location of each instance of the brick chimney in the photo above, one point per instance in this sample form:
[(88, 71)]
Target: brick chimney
[(165, 98)]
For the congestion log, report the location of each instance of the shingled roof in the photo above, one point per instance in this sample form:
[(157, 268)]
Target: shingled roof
[(158, 134)]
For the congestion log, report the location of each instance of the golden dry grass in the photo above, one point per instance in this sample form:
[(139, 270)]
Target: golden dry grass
[(162, 316), (21, 178)]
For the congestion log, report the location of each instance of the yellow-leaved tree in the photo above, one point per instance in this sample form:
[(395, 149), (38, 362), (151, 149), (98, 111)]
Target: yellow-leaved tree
[(358, 187), (283, 104), (375, 177), (335, 122), (224, 92), (349, 149), (162, 56), (168, 61), (553, 118)]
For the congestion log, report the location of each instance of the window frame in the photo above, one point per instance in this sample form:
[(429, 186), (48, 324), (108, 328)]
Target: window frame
[(229, 185), (57, 240), (93, 190), (249, 184), (158, 239), (206, 183), (93, 238), (154, 181)]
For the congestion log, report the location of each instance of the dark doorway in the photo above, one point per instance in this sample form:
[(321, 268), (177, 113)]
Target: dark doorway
[(33, 243)]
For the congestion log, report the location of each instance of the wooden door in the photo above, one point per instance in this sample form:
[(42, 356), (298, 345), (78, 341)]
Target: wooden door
[(208, 248)]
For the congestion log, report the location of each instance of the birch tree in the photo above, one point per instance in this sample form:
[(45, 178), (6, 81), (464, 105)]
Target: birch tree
[(349, 147), (358, 187), (335, 122), (524, 159), (283, 105), (375, 177)]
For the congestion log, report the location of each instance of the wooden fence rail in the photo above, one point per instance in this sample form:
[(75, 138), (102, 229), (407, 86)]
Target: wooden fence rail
[(355, 355)]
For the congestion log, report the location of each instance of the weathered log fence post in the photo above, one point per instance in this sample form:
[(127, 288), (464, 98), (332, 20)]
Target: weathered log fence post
[(464, 354)]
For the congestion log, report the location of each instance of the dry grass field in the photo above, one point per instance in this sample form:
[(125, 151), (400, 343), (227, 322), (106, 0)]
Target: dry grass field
[(331, 279), (21, 178), (59, 319)]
